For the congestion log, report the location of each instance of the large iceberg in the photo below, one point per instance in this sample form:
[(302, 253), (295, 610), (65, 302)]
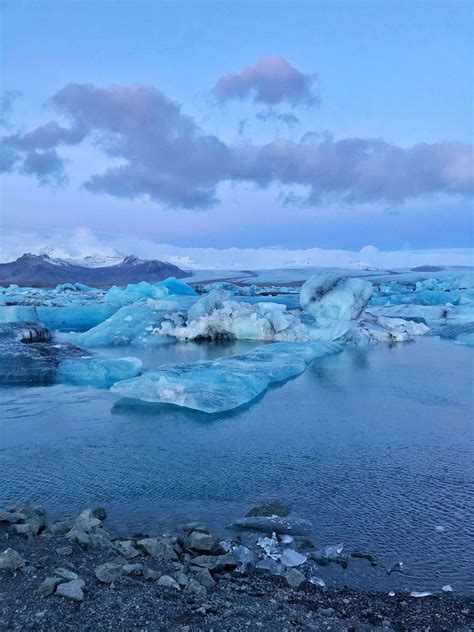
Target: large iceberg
[(329, 296), (213, 317), (226, 383), (134, 325), (137, 291)]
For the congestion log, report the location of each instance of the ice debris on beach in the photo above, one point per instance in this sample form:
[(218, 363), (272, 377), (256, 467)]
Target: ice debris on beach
[(225, 383)]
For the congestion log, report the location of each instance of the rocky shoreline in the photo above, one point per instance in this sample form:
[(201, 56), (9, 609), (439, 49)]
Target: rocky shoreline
[(74, 575)]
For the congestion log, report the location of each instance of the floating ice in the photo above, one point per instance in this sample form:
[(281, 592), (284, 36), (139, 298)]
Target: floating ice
[(330, 296), (270, 546), (30, 355), (18, 314), (331, 553), (232, 288), (420, 593), (465, 339), (213, 317), (99, 372), (133, 325), (446, 588), (134, 292), (225, 383), (317, 581), (270, 524), (291, 558)]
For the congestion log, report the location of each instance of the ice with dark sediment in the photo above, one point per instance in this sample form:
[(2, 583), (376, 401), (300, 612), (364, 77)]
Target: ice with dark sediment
[(31, 356)]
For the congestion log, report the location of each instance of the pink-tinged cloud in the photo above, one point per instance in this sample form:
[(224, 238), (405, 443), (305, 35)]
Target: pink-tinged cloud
[(271, 80)]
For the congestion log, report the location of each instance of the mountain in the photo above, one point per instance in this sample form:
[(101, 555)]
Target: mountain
[(44, 271)]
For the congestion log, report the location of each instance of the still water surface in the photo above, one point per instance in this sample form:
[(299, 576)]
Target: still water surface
[(374, 447)]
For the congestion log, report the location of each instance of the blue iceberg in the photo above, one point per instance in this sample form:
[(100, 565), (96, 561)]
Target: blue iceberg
[(226, 383)]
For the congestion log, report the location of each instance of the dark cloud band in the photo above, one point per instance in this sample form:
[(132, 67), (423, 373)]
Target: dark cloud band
[(163, 154)]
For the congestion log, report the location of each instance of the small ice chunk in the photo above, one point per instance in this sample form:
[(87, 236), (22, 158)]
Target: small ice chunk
[(330, 553), (244, 555), (286, 539), (447, 588), (440, 529), (395, 568), (291, 558), (317, 581), (270, 546), (420, 593), (391, 593)]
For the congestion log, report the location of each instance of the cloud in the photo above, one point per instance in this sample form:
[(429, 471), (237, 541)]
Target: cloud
[(271, 80), (160, 152), (284, 117), (7, 99)]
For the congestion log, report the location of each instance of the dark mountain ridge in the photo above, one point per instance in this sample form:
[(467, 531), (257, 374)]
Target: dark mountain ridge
[(42, 271)]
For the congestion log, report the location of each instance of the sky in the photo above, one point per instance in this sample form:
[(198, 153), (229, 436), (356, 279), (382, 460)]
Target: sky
[(249, 124)]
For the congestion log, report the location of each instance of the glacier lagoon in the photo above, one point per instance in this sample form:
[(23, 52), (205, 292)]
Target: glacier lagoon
[(372, 443)]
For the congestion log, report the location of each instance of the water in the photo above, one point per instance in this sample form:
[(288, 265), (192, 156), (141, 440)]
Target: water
[(374, 447)]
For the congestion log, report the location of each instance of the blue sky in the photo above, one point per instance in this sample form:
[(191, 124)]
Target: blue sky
[(396, 71)]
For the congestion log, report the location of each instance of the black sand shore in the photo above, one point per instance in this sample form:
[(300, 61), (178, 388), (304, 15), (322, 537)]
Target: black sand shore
[(165, 584)]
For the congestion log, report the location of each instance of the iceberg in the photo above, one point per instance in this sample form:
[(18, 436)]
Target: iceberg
[(134, 292), (329, 296), (96, 371), (213, 317), (134, 325), (226, 383), (465, 339), (30, 355), (236, 290)]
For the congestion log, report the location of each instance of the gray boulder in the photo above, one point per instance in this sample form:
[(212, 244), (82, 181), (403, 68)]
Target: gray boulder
[(270, 508), (49, 585), (216, 562), (87, 531), (294, 578), (71, 590), (203, 543), (160, 548), (168, 582), (108, 572), (11, 560)]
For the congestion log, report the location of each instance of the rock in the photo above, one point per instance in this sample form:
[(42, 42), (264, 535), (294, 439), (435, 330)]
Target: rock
[(160, 548), (270, 508), (195, 526), (366, 556), (168, 582), (108, 572), (182, 580), (64, 550), (87, 531), (204, 577), (127, 549), (65, 574), (71, 590), (61, 527), (203, 543), (217, 562), (326, 612), (150, 575), (290, 558), (294, 578), (12, 517), (195, 588), (99, 513), (33, 521), (49, 585), (136, 569), (11, 560)]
